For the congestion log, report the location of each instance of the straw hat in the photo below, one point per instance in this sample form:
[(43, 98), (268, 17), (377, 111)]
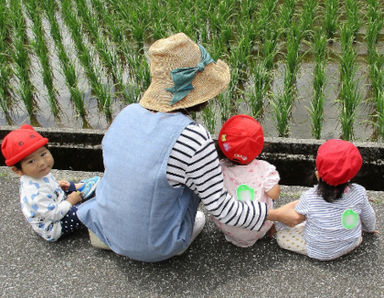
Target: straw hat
[(179, 51)]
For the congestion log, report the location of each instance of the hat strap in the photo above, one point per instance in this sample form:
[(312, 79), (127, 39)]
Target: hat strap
[(182, 77)]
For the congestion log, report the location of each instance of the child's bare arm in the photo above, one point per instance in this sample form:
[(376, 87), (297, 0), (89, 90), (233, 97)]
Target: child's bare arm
[(274, 192), (74, 197)]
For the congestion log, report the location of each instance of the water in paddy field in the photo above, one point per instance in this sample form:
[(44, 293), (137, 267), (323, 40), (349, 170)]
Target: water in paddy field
[(300, 125)]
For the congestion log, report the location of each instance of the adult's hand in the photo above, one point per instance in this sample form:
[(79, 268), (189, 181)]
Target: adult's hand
[(286, 214)]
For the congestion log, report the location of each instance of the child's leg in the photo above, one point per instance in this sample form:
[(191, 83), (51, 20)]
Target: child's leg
[(292, 239), (70, 222)]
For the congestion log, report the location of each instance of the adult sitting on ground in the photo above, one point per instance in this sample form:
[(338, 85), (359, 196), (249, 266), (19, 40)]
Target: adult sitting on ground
[(160, 164)]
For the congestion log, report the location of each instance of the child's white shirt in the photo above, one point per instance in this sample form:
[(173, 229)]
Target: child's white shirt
[(43, 204)]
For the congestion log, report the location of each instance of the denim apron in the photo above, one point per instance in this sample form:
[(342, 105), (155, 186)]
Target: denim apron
[(135, 211)]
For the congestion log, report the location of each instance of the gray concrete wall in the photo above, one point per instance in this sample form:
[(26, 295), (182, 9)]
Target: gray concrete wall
[(80, 150)]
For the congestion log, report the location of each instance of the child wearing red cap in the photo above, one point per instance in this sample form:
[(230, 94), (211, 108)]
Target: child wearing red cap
[(336, 210), (49, 206), (241, 140)]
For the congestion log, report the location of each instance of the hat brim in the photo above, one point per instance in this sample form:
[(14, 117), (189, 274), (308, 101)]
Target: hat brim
[(207, 84)]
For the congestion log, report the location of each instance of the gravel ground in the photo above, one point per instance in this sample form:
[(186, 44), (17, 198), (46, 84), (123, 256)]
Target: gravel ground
[(71, 267)]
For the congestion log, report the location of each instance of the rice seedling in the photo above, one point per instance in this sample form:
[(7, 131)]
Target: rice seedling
[(258, 89), (65, 63), (209, 118), (287, 10), (292, 56), (308, 17), (107, 54), (353, 18), (331, 16), (316, 105), (20, 56), (101, 91), (5, 70), (40, 48), (282, 107), (375, 23), (349, 96)]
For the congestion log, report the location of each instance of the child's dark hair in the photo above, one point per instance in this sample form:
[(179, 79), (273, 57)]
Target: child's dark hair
[(17, 165), (330, 193)]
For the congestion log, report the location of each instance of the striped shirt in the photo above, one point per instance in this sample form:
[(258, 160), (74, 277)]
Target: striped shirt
[(194, 162), (325, 234)]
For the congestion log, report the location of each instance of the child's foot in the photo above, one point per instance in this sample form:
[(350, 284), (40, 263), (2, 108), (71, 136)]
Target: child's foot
[(271, 232), (89, 186)]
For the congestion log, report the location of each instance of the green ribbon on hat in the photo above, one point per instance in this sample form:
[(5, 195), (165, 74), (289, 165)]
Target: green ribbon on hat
[(182, 77)]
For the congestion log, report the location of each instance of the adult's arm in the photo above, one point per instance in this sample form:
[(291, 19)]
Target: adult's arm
[(194, 162)]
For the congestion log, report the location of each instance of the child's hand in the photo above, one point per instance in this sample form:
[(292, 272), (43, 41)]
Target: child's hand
[(74, 197), (64, 185)]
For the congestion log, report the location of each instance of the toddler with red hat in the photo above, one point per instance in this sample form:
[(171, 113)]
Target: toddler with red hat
[(241, 140), (336, 210), (50, 206)]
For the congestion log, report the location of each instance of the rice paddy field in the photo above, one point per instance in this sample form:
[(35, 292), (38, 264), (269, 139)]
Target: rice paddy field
[(304, 69)]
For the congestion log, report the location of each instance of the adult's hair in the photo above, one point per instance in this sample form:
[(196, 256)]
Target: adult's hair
[(330, 193), (194, 109)]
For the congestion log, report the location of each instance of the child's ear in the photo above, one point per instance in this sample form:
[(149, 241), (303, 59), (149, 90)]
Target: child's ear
[(17, 171)]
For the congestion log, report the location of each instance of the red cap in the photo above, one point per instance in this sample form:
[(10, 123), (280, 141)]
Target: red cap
[(20, 143), (241, 139), (338, 161)]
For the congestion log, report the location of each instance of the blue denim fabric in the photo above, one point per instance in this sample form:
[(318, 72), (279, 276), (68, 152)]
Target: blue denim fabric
[(136, 212)]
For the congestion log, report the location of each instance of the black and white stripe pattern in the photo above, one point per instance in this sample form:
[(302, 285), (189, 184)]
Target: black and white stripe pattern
[(194, 162)]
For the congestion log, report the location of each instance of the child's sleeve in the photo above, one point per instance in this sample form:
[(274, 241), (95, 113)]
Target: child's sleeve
[(302, 206), (367, 216), (49, 209), (271, 176), (42, 201)]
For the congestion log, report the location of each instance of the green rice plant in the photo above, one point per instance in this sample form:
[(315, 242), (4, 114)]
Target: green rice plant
[(20, 56), (353, 18), (349, 96), (308, 17), (5, 70), (258, 89), (331, 17), (41, 50), (224, 100), (317, 103), (282, 107), (65, 63), (379, 113), (139, 75), (107, 54), (102, 92), (265, 17), (209, 118), (292, 47), (375, 23), (287, 10)]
